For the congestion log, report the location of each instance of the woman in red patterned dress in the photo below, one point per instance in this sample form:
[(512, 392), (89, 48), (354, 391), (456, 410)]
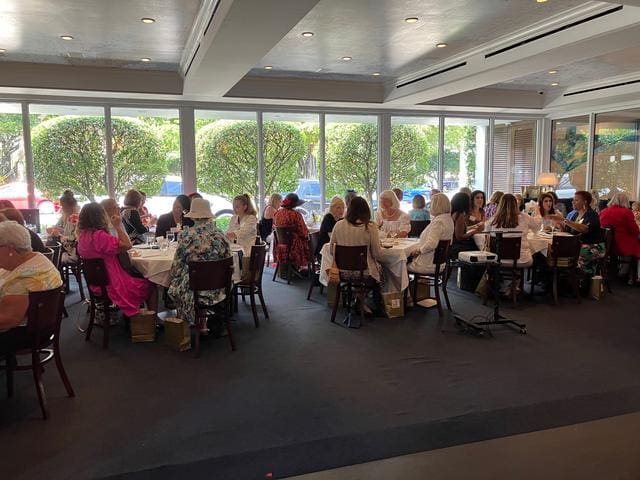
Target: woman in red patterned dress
[(287, 216)]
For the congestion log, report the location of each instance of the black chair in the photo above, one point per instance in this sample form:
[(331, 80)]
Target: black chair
[(44, 316), (314, 265), (352, 263), (95, 274), (205, 276), (50, 254), (31, 217), (437, 279), (251, 283), (608, 265), (563, 256), (417, 227), (509, 255), (283, 236), (56, 247), (75, 269)]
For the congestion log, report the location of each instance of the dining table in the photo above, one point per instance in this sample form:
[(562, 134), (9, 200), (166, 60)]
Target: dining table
[(539, 242), (155, 264), (393, 261)]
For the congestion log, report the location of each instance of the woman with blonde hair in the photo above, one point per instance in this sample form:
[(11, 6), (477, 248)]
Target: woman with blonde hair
[(243, 226), (392, 221), (440, 228), (336, 212), (266, 222)]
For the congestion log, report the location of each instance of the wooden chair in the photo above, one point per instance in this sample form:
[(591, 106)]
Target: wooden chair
[(314, 265), (44, 316), (563, 256), (608, 265), (56, 247), (509, 255), (251, 283), (206, 276), (352, 263), (417, 227), (437, 279), (95, 274), (50, 254), (75, 269), (283, 236)]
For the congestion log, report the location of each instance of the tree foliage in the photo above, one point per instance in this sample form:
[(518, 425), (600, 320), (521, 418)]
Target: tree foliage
[(10, 136), (228, 158), (69, 152)]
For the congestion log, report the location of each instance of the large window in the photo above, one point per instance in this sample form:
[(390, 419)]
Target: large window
[(514, 155), (465, 153), (569, 146), (414, 156), (291, 157), (352, 155), (151, 139), (615, 152), (13, 181)]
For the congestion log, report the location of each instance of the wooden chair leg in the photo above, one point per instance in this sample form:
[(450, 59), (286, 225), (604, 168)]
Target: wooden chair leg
[(106, 326), (275, 271), (254, 310), (78, 275), (335, 305), (445, 292), (262, 302), (227, 323), (436, 291), (310, 289), (92, 319), (60, 367), (37, 377), (576, 284), (289, 270), (198, 326), (555, 286)]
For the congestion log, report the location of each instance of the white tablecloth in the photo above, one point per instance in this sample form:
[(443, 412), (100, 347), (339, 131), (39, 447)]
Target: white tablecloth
[(539, 242), (156, 265), (393, 262)]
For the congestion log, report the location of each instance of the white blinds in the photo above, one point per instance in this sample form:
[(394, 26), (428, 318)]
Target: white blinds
[(513, 157)]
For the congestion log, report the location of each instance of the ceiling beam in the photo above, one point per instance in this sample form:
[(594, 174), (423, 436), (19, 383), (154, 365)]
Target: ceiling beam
[(241, 34)]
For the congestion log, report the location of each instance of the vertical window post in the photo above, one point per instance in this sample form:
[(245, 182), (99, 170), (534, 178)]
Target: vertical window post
[(323, 167), (28, 155), (188, 149), (384, 153), (108, 143), (260, 140)]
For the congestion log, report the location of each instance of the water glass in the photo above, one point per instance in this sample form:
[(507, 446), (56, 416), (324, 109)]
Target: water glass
[(170, 236)]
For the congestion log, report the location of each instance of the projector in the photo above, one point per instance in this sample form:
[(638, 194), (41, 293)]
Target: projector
[(477, 257)]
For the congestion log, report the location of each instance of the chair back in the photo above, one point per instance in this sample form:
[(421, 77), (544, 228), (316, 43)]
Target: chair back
[(50, 254), (284, 236), (57, 253), (95, 274), (31, 217), (418, 226), (210, 275), (314, 238), (256, 262), (508, 245), (565, 250), (441, 254), (351, 258), (608, 235), (44, 315)]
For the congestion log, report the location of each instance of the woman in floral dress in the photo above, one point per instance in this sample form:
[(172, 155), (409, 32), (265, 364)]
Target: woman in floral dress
[(202, 242), (287, 216)]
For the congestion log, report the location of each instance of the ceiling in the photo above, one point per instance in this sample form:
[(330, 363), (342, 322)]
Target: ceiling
[(216, 51)]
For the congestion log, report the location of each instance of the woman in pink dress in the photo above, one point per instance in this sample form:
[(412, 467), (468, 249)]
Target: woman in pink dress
[(95, 241)]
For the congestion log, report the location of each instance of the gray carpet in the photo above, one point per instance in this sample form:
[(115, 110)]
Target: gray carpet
[(301, 394)]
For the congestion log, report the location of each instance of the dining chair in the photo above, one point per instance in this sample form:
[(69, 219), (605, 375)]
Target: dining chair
[(314, 264), (608, 265), (283, 236), (435, 279), (563, 256), (352, 263), (95, 274), (417, 227), (251, 282), (44, 316), (509, 254), (206, 276)]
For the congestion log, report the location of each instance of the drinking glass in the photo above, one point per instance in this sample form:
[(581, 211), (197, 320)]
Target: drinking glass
[(164, 245), (170, 236)]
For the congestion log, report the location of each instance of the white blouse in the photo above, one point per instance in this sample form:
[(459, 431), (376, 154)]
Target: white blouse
[(525, 225), (246, 230), (440, 228), (346, 234), (403, 224)]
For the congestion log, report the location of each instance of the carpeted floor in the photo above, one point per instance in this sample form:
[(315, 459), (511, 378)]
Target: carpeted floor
[(301, 395)]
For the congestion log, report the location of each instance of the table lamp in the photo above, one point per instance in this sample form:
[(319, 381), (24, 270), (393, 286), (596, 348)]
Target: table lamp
[(548, 180)]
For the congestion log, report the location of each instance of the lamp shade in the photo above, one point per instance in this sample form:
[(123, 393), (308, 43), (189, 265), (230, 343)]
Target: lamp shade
[(548, 178)]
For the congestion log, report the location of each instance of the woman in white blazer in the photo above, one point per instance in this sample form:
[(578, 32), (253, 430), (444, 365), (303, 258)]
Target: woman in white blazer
[(243, 227), (440, 228)]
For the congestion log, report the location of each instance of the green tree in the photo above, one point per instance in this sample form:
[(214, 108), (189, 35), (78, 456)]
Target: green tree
[(10, 136), (569, 153), (228, 158), (69, 152), (414, 156), (168, 131)]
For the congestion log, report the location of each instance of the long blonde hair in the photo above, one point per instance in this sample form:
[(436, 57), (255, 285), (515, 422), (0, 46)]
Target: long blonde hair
[(245, 199)]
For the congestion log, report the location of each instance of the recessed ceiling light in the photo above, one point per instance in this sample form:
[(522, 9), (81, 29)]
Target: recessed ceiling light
[(411, 19), (148, 20), (307, 34), (555, 84), (376, 74), (553, 72), (441, 45), (268, 67), (347, 59), (66, 37), (3, 50), (541, 1), (145, 59)]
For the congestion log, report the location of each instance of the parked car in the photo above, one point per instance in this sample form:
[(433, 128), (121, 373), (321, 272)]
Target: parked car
[(17, 193)]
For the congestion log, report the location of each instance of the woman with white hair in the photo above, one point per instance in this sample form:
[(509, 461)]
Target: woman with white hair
[(336, 212), (618, 216), (392, 221), (440, 228), (22, 271)]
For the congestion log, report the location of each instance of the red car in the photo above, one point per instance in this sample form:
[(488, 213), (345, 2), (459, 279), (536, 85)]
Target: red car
[(16, 192)]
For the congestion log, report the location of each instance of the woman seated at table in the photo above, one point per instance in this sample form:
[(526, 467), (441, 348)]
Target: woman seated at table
[(558, 206), (131, 218), (492, 206), (22, 271), (95, 241), (419, 211), (618, 216), (16, 216), (392, 221), (201, 242), (175, 217), (476, 214), (584, 221), (143, 211), (357, 230), (508, 218), (440, 228), (266, 222), (546, 214), (65, 230), (336, 212), (288, 217), (463, 231), (243, 226)]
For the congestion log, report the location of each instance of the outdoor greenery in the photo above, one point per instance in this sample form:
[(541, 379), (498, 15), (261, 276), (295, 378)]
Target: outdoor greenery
[(10, 136), (69, 153), (569, 152)]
